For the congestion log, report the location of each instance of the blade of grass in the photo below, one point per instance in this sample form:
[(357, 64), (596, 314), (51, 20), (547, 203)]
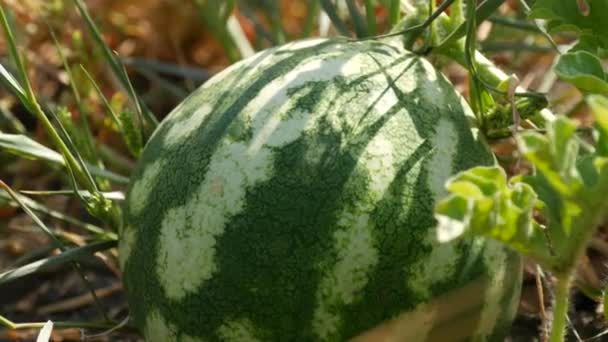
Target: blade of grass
[(332, 12), (26, 147), (212, 17), (420, 27), (111, 195), (324, 24), (67, 256), (311, 15), (92, 185), (370, 15), (360, 25), (23, 146), (56, 241), (89, 142), (225, 9), (14, 54), (58, 325), (394, 12), (12, 85), (238, 36), (194, 73), (13, 122), (107, 174), (170, 86), (134, 142), (259, 28), (31, 103), (31, 256), (116, 159), (45, 332), (37, 207), (275, 21), (118, 69)]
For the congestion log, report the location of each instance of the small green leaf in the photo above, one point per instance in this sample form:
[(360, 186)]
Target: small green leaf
[(584, 70)]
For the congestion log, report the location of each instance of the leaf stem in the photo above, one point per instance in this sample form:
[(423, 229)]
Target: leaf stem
[(560, 307)]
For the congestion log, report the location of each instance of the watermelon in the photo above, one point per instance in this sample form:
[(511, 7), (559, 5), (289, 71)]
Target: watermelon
[(291, 197)]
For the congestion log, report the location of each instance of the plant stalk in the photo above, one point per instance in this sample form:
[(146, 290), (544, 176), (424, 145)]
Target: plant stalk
[(560, 308)]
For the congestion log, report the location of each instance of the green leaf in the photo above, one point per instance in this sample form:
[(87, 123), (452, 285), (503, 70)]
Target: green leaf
[(565, 189), (565, 15), (584, 70), (483, 203)]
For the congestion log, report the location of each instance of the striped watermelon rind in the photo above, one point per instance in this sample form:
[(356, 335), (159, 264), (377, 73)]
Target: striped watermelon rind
[(290, 198)]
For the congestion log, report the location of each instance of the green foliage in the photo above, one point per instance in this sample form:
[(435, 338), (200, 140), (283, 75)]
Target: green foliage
[(483, 202), (566, 187)]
